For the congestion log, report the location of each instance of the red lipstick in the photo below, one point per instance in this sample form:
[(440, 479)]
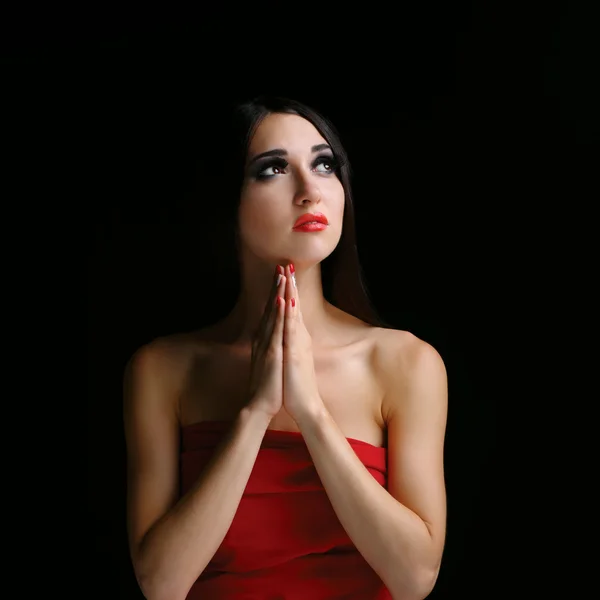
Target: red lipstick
[(311, 222)]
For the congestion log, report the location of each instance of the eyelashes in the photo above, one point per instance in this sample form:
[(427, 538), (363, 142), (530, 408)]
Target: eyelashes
[(262, 171)]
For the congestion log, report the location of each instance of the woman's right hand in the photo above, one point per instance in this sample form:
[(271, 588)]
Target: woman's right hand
[(266, 367)]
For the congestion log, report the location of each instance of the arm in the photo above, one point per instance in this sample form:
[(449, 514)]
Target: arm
[(399, 531), (171, 541)]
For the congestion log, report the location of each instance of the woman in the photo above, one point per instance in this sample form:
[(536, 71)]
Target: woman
[(293, 449)]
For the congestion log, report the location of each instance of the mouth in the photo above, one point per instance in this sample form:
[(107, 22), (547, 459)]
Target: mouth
[(311, 226), (311, 219)]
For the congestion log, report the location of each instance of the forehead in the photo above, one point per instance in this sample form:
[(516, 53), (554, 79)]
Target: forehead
[(290, 132)]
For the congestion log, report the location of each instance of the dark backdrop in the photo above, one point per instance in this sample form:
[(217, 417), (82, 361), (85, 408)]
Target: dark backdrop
[(464, 124)]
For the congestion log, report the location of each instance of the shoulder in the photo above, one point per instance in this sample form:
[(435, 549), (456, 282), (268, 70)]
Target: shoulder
[(167, 353), (406, 350), (163, 364), (407, 365)]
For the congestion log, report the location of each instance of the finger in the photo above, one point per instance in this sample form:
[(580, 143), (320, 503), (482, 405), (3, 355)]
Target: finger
[(292, 289), (292, 292), (289, 326), (279, 272), (279, 317), (273, 312), (263, 330), (268, 311)]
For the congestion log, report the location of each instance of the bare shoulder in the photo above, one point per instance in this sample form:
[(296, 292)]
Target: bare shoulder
[(168, 353), (165, 363), (404, 362), (405, 346)]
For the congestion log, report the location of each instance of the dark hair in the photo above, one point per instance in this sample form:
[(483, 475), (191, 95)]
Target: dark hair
[(341, 272)]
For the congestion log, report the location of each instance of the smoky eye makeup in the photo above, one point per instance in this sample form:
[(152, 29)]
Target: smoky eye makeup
[(326, 159), (267, 168)]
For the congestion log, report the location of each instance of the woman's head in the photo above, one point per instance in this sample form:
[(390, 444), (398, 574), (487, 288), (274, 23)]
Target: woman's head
[(290, 171), (306, 170)]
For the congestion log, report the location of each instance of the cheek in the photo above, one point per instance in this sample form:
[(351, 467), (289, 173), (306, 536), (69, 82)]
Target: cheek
[(337, 199), (253, 205), (258, 213)]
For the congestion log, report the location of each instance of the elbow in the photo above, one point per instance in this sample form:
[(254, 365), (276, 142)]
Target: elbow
[(425, 584), (419, 588), (154, 585), (155, 588)]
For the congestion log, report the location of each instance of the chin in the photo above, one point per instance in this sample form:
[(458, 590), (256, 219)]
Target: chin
[(304, 252), (309, 256)]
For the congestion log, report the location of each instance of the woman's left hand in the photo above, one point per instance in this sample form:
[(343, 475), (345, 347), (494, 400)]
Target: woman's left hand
[(301, 398)]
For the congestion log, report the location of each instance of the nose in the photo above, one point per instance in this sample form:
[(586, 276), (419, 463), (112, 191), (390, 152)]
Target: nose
[(307, 192)]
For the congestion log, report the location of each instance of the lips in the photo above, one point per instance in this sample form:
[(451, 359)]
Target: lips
[(311, 218)]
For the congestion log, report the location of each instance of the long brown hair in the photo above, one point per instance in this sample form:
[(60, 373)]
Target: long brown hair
[(341, 272)]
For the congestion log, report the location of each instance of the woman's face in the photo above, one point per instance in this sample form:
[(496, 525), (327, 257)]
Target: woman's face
[(297, 178)]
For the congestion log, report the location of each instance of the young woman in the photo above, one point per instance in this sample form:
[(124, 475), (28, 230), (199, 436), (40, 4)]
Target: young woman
[(293, 449)]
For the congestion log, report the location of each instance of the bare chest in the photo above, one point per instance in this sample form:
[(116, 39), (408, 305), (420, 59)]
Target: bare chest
[(347, 379)]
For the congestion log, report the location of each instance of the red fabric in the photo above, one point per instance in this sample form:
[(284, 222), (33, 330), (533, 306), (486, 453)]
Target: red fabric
[(285, 541)]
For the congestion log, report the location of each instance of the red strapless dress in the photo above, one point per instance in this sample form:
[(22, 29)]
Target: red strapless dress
[(285, 541)]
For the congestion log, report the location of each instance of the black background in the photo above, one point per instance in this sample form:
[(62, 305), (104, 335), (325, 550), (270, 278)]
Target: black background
[(467, 126)]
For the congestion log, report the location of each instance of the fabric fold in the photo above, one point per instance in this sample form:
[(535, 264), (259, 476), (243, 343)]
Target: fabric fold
[(285, 541)]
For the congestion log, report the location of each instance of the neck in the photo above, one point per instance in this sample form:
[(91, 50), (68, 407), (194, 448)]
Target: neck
[(256, 282)]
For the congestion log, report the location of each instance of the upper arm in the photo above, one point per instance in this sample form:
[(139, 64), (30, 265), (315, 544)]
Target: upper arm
[(152, 441), (417, 405)]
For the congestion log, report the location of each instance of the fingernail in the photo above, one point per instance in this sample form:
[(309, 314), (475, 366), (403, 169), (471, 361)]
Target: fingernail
[(293, 302), (292, 270)]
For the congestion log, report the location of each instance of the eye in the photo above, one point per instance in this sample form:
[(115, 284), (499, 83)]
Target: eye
[(271, 168), (325, 164)]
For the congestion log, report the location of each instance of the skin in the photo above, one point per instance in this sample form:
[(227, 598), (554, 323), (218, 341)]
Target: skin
[(267, 213), (412, 409), (374, 383)]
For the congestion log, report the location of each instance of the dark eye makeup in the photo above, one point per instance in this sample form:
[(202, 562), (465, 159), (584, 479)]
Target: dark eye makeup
[(277, 162)]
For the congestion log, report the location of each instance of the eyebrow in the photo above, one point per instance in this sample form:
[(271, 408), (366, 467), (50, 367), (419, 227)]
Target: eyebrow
[(282, 152)]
